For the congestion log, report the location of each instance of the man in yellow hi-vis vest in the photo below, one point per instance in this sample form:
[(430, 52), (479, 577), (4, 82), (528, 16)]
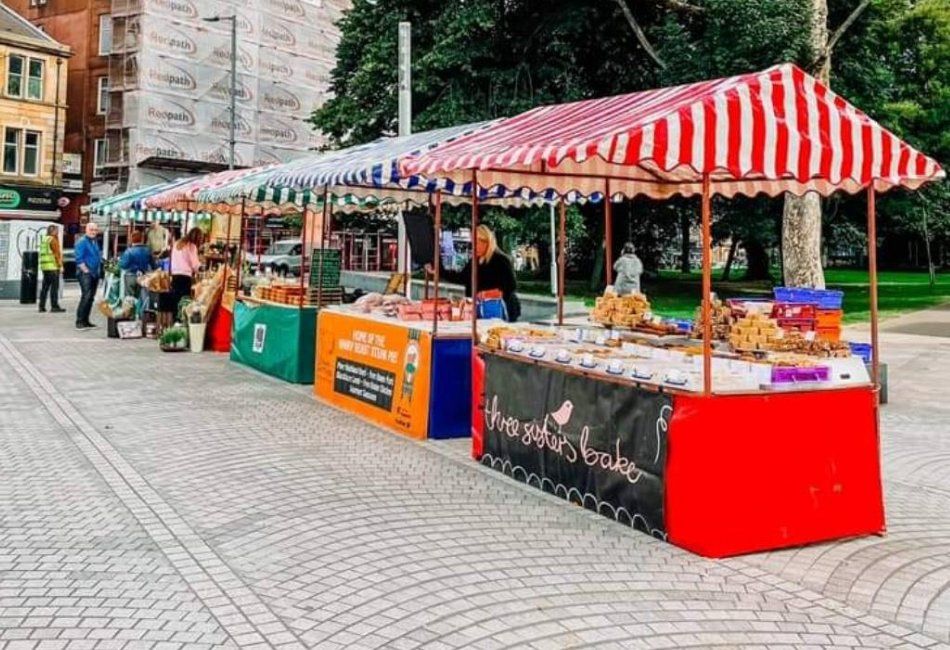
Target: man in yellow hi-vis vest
[(51, 264)]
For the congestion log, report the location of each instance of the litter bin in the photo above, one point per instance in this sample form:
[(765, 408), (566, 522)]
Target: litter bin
[(29, 269)]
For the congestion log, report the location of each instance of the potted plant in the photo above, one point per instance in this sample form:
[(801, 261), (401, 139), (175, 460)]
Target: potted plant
[(190, 311), (173, 339)]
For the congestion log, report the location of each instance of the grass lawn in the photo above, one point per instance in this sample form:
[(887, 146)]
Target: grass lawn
[(677, 295)]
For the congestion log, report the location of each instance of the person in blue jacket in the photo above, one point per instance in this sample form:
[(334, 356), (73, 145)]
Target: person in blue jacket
[(88, 270), (137, 259)]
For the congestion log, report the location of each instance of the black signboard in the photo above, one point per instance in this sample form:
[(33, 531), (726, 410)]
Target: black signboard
[(17, 197), (598, 444), (365, 383), (421, 235)]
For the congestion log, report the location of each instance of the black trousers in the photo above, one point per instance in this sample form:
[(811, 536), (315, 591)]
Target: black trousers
[(51, 287), (88, 284), (181, 288)]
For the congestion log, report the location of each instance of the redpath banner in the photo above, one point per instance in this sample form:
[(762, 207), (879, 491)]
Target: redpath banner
[(375, 370)]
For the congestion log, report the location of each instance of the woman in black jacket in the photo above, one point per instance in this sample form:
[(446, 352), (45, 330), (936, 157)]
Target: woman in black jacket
[(494, 272)]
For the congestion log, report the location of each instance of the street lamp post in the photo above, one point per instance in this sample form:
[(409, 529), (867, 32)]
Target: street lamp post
[(232, 127)]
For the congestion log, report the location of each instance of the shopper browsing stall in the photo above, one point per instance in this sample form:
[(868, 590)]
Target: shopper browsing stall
[(185, 263), (629, 268), (495, 272), (137, 259)]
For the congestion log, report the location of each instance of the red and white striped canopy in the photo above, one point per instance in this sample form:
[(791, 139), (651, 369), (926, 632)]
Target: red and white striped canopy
[(182, 197), (779, 130)]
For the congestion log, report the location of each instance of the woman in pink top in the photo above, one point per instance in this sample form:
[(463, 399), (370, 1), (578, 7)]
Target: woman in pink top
[(185, 263)]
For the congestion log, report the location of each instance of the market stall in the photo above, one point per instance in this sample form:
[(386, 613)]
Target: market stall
[(760, 440), (396, 372), (275, 328)]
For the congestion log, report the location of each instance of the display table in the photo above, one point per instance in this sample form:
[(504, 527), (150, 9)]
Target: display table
[(278, 340), (720, 475), (396, 373)]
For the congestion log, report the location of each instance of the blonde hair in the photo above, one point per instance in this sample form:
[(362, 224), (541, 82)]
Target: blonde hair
[(486, 233)]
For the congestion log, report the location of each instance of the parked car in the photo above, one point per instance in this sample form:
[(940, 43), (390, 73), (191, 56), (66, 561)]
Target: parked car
[(284, 257)]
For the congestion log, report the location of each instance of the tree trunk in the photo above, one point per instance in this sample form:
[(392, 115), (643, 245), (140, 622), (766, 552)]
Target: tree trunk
[(801, 232), (757, 259), (685, 248), (730, 258)]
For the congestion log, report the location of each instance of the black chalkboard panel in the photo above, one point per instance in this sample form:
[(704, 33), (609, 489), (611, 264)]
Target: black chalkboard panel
[(419, 231)]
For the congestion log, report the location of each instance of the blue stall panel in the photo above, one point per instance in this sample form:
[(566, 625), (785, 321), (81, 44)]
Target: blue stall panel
[(450, 399)]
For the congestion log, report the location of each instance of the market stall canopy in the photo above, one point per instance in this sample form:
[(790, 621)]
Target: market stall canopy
[(182, 196), (365, 175), (132, 201), (775, 131)]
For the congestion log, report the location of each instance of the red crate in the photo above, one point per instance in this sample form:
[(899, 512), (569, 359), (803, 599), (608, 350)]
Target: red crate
[(828, 318), (793, 311), (797, 324)]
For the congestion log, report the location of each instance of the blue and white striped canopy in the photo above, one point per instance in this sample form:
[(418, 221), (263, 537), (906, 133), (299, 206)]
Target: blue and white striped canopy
[(371, 165)]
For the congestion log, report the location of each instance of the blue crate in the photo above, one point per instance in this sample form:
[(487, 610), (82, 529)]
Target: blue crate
[(822, 298), (862, 350), (682, 325), (492, 308)]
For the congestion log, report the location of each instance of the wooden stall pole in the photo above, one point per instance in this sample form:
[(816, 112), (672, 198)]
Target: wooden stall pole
[(561, 262), (608, 236), (436, 260), (425, 285), (239, 256), (474, 278), (872, 273), (227, 241), (707, 285)]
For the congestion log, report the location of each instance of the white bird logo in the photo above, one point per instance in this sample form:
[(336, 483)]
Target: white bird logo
[(563, 414)]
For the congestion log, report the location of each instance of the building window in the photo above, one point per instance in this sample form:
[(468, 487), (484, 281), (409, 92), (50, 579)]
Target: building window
[(34, 88), (24, 74), (99, 155), (31, 153), (102, 107), (105, 34), (15, 65), (11, 150)]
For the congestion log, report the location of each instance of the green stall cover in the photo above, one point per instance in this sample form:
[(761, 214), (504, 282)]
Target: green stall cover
[(278, 341)]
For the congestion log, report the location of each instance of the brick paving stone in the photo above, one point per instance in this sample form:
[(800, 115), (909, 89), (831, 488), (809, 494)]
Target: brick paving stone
[(184, 501)]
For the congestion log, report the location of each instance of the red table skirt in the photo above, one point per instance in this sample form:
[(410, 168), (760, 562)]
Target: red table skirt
[(219, 330), (759, 472)]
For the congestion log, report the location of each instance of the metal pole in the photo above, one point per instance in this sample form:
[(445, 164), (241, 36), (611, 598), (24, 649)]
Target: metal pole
[(405, 128), (232, 140), (240, 251), (474, 262), (323, 222), (554, 267), (707, 285), (608, 236), (872, 272), (303, 255), (561, 262), (436, 249)]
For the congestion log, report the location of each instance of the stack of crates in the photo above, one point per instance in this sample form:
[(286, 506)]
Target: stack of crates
[(810, 310)]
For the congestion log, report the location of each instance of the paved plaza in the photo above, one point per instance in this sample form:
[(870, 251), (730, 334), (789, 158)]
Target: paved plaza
[(152, 500)]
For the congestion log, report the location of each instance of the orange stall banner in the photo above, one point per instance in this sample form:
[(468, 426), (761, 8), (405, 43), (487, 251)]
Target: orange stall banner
[(375, 370)]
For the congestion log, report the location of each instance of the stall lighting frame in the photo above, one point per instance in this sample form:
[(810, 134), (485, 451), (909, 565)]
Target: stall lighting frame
[(706, 214)]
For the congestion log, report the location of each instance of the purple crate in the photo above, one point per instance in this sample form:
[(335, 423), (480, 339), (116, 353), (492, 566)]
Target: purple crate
[(782, 375)]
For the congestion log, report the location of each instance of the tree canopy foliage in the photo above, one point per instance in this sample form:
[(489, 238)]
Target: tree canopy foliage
[(480, 59)]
